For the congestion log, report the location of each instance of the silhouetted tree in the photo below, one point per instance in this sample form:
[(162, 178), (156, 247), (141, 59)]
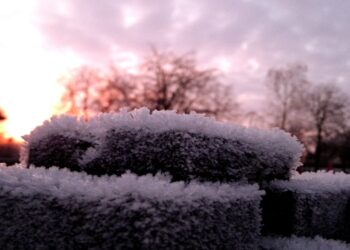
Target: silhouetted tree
[(9, 149), (117, 90), (80, 91), (326, 105), (344, 149), (176, 82), (166, 81), (254, 119), (2, 115), (2, 118), (286, 88)]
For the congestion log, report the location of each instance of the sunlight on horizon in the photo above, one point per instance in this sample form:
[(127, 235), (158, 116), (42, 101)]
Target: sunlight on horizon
[(29, 89), (30, 92), (42, 40)]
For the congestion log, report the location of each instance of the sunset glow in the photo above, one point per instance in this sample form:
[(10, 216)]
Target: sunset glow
[(42, 40), (29, 90)]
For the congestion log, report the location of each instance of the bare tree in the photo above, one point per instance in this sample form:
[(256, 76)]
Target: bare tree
[(176, 82), (254, 119), (2, 115), (327, 106), (117, 90), (80, 91), (2, 118), (344, 149), (166, 81), (286, 88)]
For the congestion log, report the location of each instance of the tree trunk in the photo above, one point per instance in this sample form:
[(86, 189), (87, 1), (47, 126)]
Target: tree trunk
[(318, 149), (284, 119)]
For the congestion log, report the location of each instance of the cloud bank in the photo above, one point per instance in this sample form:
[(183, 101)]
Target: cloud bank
[(243, 38)]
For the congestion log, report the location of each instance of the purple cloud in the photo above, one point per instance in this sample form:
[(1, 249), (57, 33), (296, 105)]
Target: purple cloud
[(252, 35)]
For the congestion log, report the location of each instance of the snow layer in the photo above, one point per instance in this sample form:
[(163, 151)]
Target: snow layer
[(43, 208), (69, 126), (61, 141), (319, 182), (309, 204), (301, 243), (186, 146)]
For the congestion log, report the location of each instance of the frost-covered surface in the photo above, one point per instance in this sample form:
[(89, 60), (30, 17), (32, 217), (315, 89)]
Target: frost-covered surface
[(186, 146), (43, 208), (63, 182), (62, 141), (69, 126), (309, 204), (301, 243), (319, 182)]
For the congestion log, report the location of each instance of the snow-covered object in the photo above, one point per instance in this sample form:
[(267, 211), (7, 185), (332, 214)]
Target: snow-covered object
[(301, 243), (54, 208), (186, 146), (309, 204), (61, 142)]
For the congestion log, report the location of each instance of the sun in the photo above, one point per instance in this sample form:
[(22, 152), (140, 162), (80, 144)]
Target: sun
[(29, 91), (29, 88)]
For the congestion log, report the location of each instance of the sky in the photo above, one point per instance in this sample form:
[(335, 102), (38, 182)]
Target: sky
[(40, 40)]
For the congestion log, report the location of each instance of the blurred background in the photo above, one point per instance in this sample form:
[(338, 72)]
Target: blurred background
[(263, 64)]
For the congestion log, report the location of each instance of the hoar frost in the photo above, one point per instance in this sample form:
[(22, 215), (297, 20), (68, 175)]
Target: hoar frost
[(185, 146)]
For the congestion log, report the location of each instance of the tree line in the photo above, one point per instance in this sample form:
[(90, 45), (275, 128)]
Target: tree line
[(316, 113), (165, 81)]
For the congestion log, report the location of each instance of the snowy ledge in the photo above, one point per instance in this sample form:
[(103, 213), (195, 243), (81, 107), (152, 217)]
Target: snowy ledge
[(300, 243), (319, 182), (188, 146), (58, 209), (63, 183), (268, 142)]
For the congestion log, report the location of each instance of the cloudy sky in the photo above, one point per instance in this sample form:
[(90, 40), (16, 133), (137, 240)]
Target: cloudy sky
[(41, 39)]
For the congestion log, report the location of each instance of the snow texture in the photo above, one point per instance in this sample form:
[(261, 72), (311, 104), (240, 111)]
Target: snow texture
[(59, 142), (186, 146), (308, 205), (301, 243), (54, 208), (313, 183)]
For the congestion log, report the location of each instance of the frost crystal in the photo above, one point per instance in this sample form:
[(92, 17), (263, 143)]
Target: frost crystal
[(185, 146), (56, 208)]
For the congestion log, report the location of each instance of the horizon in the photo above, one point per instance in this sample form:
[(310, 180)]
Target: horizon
[(41, 41)]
